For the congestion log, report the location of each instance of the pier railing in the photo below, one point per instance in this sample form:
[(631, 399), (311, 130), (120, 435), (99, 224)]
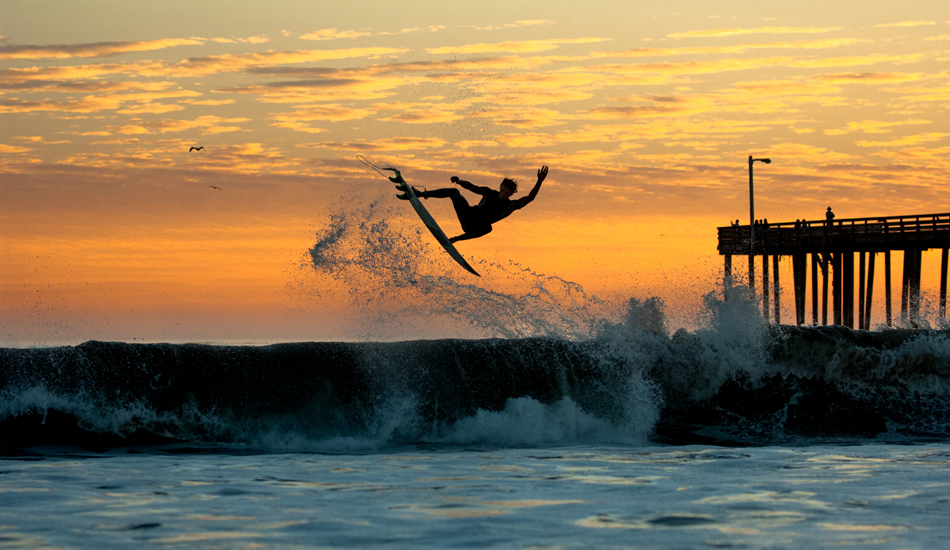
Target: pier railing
[(875, 234)]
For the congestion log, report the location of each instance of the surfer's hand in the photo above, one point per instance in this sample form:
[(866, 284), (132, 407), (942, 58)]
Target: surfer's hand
[(542, 173), (454, 179)]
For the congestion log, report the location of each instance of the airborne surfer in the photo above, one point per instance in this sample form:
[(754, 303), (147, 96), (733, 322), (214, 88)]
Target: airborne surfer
[(494, 206)]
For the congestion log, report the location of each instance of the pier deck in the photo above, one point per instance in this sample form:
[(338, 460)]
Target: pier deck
[(833, 247)]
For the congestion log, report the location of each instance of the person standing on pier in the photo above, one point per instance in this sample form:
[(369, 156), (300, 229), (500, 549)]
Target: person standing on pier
[(830, 217)]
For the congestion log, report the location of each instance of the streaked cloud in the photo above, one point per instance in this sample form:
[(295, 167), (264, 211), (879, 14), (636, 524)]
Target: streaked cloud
[(905, 24), (856, 61), (653, 106), (873, 126), (413, 30), (333, 34), (208, 102), (250, 40), (716, 33), (522, 116), (13, 149), (208, 124), (734, 49), (200, 66), (93, 103), (380, 145), (867, 78), (930, 137), (301, 118), (522, 46), (101, 49), (417, 113), (521, 23)]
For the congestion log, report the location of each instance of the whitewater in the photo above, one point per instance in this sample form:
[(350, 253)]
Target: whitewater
[(570, 422)]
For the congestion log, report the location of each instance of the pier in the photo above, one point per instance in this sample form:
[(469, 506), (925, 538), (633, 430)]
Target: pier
[(831, 250)]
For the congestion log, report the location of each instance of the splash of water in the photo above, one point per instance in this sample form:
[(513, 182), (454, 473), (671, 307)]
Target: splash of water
[(390, 270)]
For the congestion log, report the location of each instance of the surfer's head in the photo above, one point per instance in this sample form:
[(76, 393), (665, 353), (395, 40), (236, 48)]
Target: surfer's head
[(508, 188)]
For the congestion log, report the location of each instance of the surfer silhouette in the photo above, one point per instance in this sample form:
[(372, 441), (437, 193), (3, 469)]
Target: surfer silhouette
[(494, 206)]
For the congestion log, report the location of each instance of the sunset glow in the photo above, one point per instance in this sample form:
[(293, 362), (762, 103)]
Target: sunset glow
[(645, 113)]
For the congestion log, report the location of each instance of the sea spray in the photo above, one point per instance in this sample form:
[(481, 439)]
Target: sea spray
[(390, 273)]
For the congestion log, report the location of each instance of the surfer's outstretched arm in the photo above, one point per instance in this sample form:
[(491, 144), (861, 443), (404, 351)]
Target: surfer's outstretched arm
[(469, 186), (523, 201)]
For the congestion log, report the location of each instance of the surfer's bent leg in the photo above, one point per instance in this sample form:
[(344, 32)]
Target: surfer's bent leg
[(449, 193), (471, 233), (462, 208), (465, 212)]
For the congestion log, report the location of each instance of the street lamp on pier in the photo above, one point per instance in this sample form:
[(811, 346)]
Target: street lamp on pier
[(752, 225)]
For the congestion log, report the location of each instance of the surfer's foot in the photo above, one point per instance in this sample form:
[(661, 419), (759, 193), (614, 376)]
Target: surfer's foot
[(453, 240), (424, 194)]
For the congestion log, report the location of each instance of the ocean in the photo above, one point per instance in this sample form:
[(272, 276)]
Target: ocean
[(736, 434)]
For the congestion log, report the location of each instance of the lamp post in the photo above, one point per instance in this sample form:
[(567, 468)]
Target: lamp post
[(752, 225)]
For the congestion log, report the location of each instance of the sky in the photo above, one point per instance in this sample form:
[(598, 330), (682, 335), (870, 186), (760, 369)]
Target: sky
[(645, 112)]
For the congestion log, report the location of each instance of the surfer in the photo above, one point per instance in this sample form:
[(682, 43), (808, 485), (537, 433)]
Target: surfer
[(494, 206)]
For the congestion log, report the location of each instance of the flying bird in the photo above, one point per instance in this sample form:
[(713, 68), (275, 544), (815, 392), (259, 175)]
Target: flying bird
[(214, 187), (195, 149)]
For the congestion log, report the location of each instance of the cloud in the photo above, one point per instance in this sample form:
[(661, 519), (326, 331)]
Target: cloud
[(716, 33), (16, 84), (471, 143), (412, 30), (670, 70), (774, 96), (13, 149), (198, 66), (389, 144), (917, 139), (39, 139), (247, 158), (522, 46), (867, 78), (520, 117), (208, 124), (100, 49), (93, 103), (310, 91), (854, 61), (655, 106), (208, 102), (299, 119), (804, 154), (521, 23), (250, 40), (418, 113), (332, 34), (873, 126), (906, 24), (918, 154), (733, 49)]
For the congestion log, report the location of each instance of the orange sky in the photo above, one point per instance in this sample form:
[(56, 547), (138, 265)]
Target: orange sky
[(645, 113)]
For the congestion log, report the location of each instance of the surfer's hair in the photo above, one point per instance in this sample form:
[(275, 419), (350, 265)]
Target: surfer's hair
[(510, 184)]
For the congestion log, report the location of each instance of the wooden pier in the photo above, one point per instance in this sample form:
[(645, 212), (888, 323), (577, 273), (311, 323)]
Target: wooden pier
[(833, 247)]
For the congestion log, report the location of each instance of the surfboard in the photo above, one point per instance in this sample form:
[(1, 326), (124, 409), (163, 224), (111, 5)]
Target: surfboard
[(429, 221)]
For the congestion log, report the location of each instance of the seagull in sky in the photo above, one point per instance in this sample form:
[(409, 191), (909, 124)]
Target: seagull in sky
[(193, 148), (214, 187)]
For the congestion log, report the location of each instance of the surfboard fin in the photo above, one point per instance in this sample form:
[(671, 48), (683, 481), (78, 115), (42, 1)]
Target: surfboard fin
[(404, 196), (397, 178)]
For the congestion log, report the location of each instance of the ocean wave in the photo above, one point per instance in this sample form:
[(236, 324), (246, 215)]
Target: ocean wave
[(631, 384)]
